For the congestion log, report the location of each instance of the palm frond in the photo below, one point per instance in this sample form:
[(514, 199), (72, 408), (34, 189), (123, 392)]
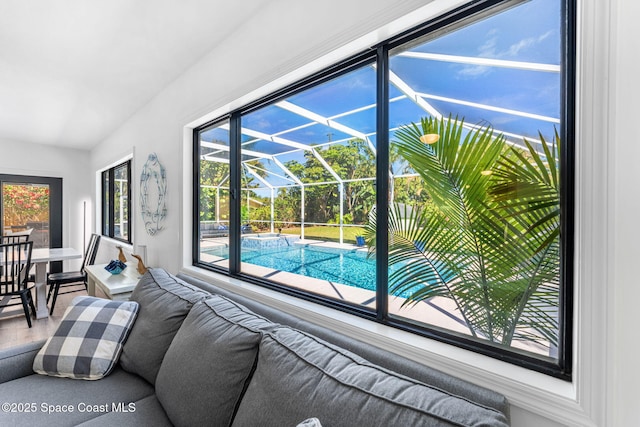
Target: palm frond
[(491, 244)]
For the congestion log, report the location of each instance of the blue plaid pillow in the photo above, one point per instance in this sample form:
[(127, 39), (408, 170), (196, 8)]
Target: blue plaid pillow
[(89, 339)]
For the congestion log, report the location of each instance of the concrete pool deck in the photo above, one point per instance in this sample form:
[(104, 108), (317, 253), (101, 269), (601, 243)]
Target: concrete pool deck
[(440, 312), (436, 312)]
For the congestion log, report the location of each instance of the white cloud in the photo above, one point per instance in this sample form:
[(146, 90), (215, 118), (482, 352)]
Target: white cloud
[(470, 71), (515, 48), (489, 49)]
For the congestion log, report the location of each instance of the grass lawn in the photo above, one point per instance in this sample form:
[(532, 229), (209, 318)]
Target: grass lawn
[(327, 233)]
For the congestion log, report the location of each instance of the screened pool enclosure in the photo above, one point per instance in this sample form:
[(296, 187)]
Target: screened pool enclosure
[(474, 112)]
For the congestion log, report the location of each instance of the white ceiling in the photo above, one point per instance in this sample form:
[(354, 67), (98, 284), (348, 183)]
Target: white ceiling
[(72, 71)]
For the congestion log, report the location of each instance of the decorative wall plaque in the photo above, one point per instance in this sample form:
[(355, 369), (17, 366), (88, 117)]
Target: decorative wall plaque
[(153, 192)]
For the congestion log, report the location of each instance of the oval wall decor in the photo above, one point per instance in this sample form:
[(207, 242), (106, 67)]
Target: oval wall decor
[(153, 191)]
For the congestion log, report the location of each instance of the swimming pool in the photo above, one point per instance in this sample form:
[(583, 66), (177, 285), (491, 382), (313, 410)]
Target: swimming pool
[(348, 267)]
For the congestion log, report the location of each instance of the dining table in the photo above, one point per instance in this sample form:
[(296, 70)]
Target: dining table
[(41, 257)]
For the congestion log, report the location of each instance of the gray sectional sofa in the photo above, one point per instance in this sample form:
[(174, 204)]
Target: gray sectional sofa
[(201, 355)]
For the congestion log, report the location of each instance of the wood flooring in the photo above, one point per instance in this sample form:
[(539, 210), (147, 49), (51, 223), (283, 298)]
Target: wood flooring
[(15, 331)]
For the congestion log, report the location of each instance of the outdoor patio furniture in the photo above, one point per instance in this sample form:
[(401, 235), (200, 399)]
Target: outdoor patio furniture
[(213, 229)]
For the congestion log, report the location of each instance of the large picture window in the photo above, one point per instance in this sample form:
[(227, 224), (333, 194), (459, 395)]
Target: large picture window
[(116, 202), (425, 184)]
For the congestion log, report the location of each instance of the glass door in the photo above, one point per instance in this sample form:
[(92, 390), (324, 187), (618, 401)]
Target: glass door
[(32, 205), (26, 210)]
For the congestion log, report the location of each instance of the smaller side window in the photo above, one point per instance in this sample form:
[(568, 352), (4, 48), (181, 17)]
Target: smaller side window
[(116, 202)]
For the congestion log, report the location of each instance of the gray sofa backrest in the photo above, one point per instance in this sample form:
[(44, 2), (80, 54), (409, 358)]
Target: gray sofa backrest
[(372, 353)]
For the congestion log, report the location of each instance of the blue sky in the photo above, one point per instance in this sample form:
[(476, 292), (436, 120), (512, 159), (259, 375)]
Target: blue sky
[(527, 33)]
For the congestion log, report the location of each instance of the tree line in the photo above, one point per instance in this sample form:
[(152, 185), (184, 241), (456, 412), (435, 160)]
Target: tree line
[(353, 161)]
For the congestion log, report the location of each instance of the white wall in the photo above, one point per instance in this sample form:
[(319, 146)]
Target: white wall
[(263, 50), (623, 203), (69, 164)]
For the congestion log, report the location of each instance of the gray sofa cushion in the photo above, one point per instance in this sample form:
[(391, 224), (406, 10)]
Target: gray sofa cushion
[(299, 376), (209, 363), (387, 359), (78, 396), (144, 412), (17, 362), (164, 303)]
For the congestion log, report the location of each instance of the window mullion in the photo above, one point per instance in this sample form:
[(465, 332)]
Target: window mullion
[(112, 198), (382, 180), (235, 199), (567, 188), (196, 196), (129, 196), (103, 190)]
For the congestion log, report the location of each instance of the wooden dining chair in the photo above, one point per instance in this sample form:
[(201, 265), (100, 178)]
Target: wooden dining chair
[(17, 237), (72, 278), (15, 259)]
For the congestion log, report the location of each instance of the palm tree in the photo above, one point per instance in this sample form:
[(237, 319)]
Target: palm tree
[(491, 244)]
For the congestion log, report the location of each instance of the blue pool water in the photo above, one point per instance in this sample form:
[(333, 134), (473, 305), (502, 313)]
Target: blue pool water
[(335, 265)]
